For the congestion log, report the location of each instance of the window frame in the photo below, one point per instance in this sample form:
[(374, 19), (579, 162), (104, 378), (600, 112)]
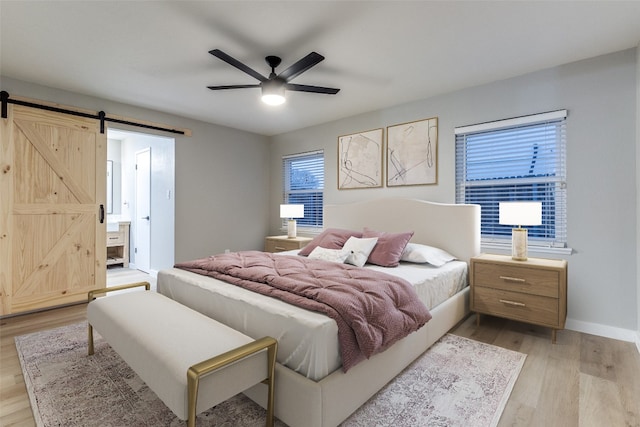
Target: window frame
[(492, 185), (314, 220)]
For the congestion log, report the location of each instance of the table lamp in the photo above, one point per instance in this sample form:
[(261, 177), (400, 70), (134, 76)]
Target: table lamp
[(291, 212), (520, 213)]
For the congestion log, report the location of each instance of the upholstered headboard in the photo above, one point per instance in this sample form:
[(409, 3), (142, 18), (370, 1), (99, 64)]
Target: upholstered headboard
[(454, 228)]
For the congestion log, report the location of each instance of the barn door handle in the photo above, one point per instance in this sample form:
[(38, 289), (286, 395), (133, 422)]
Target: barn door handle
[(145, 217), (101, 214)]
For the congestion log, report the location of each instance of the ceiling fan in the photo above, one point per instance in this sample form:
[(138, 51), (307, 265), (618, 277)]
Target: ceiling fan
[(273, 87)]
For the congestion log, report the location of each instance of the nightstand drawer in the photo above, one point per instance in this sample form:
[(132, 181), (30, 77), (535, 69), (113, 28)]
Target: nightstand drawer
[(518, 306), (518, 279), (283, 243), (115, 238)]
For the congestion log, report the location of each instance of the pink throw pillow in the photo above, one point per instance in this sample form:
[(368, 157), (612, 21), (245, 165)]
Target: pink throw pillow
[(331, 238), (388, 250)]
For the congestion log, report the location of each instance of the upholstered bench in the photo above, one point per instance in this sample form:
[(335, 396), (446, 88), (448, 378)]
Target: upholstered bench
[(190, 361)]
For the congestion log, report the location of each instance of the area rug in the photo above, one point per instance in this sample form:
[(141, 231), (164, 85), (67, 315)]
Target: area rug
[(457, 382)]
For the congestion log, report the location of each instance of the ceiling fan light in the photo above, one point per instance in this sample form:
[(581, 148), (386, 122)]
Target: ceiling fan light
[(273, 99), (273, 94)]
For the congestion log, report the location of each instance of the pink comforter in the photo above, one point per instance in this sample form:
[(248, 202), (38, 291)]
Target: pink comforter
[(373, 310)]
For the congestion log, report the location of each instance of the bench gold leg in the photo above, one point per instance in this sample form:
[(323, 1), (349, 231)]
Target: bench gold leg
[(192, 395), (199, 370), (90, 340), (271, 355)]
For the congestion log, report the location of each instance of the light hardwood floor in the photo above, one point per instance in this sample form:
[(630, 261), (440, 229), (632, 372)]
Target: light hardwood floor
[(582, 380)]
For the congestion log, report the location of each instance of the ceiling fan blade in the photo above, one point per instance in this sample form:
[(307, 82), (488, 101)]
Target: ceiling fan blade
[(231, 87), (239, 65), (301, 66), (314, 89)]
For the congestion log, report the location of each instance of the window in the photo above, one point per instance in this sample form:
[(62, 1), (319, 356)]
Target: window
[(303, 183), (520, 159)]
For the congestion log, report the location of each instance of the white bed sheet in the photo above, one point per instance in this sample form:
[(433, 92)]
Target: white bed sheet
[(432, 284), (307, 341)]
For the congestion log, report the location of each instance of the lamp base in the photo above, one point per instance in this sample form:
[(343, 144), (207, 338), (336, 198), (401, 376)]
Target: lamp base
[(519, 242), (291, 229)]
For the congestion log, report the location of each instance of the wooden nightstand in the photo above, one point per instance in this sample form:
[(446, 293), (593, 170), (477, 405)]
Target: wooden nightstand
[(283, 243), (532, 291)]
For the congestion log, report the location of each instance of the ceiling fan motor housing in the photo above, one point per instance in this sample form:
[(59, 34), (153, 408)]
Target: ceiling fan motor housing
[(273, 62)]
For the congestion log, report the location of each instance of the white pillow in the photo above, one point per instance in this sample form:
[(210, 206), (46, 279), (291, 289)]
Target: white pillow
[(359, 250), (415, 252), (333, 255)]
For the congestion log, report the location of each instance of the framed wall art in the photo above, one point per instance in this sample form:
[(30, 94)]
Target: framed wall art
[(412, 153), (360, 160)]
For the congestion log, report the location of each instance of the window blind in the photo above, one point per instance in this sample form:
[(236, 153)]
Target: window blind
[(303, 183), (521, 159)]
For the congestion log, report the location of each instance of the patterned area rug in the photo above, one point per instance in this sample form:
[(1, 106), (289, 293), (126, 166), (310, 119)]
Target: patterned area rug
[(457, 382)]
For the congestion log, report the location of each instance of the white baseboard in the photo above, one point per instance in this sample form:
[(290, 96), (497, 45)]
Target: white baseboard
[(152, 273), (628, 335), (638, 340)]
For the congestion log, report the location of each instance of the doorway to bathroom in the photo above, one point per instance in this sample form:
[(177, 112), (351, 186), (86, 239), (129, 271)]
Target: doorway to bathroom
[(142, 194)]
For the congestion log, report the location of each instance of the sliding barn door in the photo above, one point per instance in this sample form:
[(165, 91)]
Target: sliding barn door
[(52, 186)]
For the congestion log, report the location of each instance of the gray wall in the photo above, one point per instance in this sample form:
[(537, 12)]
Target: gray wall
[(221, 185), (600, 95), (638, 188)]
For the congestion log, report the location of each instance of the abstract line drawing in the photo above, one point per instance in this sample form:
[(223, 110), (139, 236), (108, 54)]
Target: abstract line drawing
[(360, 160), (412, 153)]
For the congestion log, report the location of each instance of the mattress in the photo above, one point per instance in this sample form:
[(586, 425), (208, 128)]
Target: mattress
[(307, 341)]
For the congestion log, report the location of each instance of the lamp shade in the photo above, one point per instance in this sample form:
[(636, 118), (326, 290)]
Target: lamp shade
[(291, 211), (520, 213)]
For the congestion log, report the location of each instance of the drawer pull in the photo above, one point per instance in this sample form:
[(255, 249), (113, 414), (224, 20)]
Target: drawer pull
[(280, 248), (518, 304), (513, 279)]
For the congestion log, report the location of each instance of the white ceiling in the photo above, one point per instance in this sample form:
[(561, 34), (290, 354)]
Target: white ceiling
[(379, 53)]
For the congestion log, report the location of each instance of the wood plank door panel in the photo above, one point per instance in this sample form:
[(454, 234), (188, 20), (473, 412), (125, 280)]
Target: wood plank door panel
[(54, 247)]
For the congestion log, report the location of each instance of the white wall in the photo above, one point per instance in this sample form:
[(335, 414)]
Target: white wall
[(221, 184), (638, 190), (600, 95), (114, 148)]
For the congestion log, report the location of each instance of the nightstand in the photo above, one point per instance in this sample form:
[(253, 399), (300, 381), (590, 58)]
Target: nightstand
[(532, 291), (283, 243)]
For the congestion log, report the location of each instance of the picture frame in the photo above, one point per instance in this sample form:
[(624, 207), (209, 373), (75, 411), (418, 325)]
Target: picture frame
[(360, 160), (412, 153)]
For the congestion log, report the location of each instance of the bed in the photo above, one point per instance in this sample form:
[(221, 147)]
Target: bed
[(311, 389)]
